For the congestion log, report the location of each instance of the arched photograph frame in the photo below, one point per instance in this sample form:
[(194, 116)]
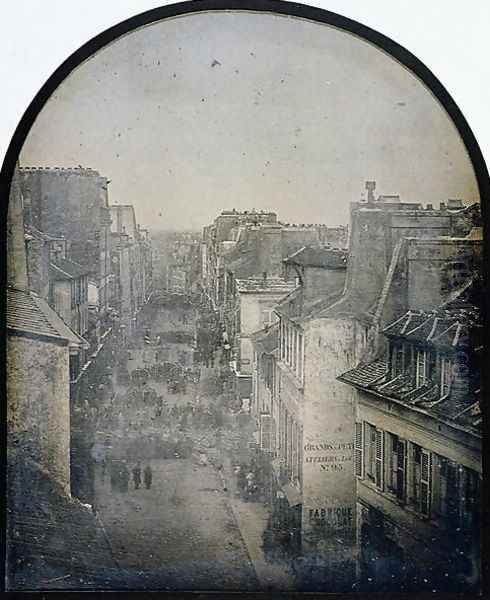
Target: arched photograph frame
[(363, 307)]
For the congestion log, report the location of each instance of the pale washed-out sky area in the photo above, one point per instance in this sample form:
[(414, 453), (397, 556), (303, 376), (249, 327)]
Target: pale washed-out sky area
[(212, 111)]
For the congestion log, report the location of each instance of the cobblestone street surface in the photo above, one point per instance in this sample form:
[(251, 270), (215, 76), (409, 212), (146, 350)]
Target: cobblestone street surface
[(188, 531), (180, 534)]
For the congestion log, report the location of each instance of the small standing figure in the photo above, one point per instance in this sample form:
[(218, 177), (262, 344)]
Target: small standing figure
[(148, 475), (137, 475)]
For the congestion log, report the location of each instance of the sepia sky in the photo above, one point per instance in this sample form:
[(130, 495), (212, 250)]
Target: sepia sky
[(215, 111)]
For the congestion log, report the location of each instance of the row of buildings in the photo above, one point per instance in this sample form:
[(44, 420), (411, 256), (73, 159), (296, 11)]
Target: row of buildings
[(79, 271), (360, 360), (176, 259)]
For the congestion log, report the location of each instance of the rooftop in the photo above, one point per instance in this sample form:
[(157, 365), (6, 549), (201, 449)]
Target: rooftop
[(450, 328), (297, 308), (310, 256), (66, 269), (32, 232), (267, 340), (255, 285), (28, 313), (79, 170), (457, 409)]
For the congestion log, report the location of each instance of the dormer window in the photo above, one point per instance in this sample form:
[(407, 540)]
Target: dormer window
[(397, 359), (421, 368), (446, 375)]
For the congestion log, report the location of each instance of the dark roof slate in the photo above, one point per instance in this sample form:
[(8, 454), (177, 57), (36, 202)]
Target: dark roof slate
[(66, 269), (311, 256), (28, 313), (365, 374)]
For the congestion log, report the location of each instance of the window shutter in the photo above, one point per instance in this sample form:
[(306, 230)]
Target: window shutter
[(265, 432), (379, 458), (401, 455), (425, 481), (358, 451)]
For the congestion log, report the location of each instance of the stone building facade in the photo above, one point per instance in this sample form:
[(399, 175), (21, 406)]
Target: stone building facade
[(418, 453), (39, 345), (131, 264), (394, 248), (72, 203), (250, 309)]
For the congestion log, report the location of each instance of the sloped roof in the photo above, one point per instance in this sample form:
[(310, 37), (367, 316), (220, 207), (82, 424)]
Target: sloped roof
[(265, 285), (28, 313), (267, 339), (365, 374), (450, 328), (295, 307), (460, 409), (40, 235), (66, 269), (318, 256)]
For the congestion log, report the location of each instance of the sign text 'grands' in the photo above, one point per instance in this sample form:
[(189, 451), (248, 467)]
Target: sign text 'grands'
[(329, 456)]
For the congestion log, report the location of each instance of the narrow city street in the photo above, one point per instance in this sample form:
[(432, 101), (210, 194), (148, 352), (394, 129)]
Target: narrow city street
[(182, 532)]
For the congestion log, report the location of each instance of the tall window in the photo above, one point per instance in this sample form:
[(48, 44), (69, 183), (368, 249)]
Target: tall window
[(396, 465), (299, 453), (73, 294), (300, 355), (421, 480), (374, 454), (295, 349), (359, 450), (446, 498)]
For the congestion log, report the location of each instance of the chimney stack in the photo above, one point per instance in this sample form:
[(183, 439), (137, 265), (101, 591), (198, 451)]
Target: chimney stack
[(370, 187), (454, 203)]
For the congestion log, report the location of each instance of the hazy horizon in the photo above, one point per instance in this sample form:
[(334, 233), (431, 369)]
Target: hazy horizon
[(196, 114)]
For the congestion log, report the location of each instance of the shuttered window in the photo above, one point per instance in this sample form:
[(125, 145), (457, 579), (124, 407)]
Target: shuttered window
[(379, 450), (358, 451), (374, 455), (300, 356), (425, 482), (401, 459), (266, 432)]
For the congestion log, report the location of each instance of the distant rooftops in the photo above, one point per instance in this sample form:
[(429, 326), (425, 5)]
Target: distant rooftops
[(264, 284), (310, 256), (393, 202), (248, 212), (78, 170)]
